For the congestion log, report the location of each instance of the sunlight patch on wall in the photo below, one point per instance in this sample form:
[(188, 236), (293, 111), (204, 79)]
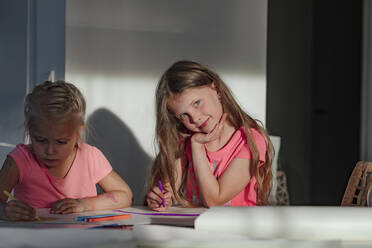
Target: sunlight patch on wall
[(132, 100)]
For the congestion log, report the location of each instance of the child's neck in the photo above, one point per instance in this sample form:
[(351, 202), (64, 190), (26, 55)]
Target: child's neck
[(227, 131)]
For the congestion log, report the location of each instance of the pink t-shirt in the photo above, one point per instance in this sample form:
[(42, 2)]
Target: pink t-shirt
[(237, 147), (37, 187)]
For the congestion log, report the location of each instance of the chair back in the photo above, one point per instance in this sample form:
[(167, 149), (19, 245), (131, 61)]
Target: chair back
[(359, 183)]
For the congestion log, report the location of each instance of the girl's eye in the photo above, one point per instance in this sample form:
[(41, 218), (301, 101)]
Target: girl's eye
[(61, 142), (40, 140), (183, 116), (196, 103)]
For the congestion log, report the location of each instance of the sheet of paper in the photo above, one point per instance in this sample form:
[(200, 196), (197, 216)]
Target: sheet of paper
[(172, 211), (69, 220), (139, 215), (175, 216)]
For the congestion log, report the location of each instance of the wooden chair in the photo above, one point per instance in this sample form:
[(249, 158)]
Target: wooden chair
[(359, 183)]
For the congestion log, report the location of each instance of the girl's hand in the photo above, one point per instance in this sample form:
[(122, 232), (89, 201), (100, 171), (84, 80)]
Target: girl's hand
[(16, 210), (67, 206), (203, 138), (154, 198)]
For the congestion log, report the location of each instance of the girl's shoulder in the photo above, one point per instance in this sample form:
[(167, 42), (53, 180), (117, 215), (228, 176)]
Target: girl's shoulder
[(92, 158), (259, 139), (255, 134), (87, 148), (89, 151), (24, 159), (22, 150)]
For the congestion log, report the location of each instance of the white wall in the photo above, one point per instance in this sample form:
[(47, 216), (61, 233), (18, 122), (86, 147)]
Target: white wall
[(13, 70), (116, 51)]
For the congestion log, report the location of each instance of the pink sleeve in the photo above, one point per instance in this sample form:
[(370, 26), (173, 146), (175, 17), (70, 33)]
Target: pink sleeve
[(101, 166), (260, 143), (23, 158)]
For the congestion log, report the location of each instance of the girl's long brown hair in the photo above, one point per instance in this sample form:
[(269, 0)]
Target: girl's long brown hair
[(170, 133)]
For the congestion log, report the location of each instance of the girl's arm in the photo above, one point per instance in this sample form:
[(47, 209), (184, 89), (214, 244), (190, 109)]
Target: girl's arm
[(12, 210), (117, 195), (215, 192), (154, 197)]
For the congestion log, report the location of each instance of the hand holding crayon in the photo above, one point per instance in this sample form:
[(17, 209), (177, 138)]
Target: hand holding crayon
[(17, 205), (159, 198)]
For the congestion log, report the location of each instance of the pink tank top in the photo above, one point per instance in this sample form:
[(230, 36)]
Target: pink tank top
[(237, 147), (37, 187)]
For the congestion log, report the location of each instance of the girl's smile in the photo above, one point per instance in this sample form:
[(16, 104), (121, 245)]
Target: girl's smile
[(204, 124)]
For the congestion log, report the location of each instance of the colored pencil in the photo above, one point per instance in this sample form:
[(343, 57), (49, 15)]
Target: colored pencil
[(114, 226), (11, 197), (108, 218), (83, 218), (161, 189)]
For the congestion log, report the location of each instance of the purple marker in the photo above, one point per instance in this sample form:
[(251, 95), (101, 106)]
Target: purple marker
[(161, 189)]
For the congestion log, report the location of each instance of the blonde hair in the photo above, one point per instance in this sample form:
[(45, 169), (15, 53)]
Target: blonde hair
[(171, 134), (58, 101)]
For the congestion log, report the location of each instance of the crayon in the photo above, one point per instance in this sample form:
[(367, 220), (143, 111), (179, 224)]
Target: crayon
[(11, 197)]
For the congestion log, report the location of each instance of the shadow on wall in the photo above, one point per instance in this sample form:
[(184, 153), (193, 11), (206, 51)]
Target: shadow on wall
[(108, 133)]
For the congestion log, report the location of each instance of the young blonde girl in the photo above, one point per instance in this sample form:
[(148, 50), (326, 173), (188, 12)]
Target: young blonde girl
[(57, 169), (210, 151)]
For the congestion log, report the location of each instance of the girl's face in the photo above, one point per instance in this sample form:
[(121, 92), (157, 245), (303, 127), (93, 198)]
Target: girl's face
[(199, 109), (54, 143)]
